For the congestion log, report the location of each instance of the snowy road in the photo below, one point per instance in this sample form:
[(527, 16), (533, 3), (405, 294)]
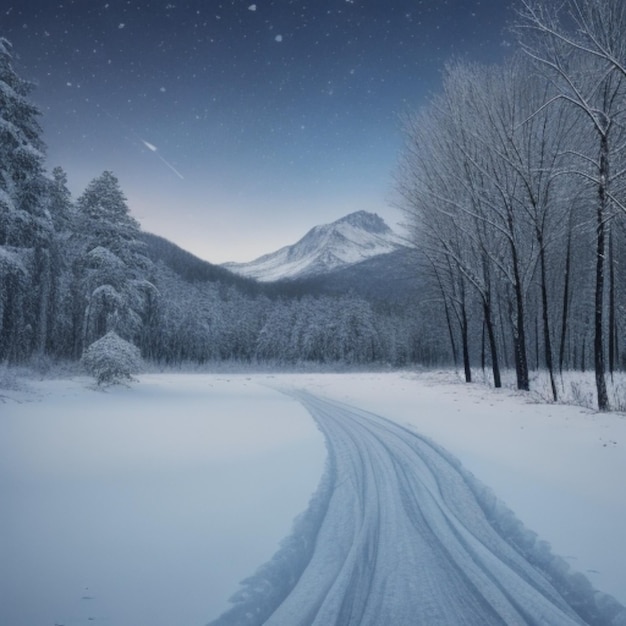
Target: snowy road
[(399, 534)]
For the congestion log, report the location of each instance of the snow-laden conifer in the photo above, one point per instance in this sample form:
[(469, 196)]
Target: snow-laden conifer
[(111, 359)]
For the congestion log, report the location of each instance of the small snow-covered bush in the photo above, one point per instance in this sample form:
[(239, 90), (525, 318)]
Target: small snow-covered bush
[(111, 359)]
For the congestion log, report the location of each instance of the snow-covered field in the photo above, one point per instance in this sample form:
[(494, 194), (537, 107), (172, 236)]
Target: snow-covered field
[(147, 505)]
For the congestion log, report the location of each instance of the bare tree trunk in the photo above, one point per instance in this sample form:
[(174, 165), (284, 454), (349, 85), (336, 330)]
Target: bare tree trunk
[(465, 339), (483, 351), (612, 324), (505, 350), (493, 347), (519, 331), (537, 350), (455, 356), (599, 366), (547, 344), (566, 297)]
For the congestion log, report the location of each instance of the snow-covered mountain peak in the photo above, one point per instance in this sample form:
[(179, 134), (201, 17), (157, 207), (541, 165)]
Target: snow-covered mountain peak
[(351, 239), (370, 222)]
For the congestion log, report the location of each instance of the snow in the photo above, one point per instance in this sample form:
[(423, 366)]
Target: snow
[(559, 468), (11, 262), (393, 525), (103, 257), (161, 497), (349, 240), (158, 498)]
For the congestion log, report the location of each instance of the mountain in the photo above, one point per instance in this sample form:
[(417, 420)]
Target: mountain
[(191, 268), (326, 248)]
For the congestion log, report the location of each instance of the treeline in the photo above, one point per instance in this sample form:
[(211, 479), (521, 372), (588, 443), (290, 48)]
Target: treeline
[(202, 322), (72, 271), (513, 178)]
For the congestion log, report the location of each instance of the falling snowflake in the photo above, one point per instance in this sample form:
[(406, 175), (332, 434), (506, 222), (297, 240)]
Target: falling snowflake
[(162, 89), (122, 25), (252, 7), (278, 38)]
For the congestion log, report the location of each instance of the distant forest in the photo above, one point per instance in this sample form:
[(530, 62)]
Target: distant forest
[(513, 182)]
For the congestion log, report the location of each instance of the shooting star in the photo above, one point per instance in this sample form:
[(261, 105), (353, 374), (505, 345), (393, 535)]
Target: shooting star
[(154, 149), (147, 144)]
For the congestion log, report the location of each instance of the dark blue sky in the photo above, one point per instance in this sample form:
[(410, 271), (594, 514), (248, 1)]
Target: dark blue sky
[(236, 126)]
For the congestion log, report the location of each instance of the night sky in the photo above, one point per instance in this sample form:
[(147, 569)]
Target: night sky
[(234, 127)]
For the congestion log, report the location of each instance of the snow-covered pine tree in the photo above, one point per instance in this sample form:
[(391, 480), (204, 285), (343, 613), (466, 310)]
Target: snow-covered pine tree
[(111, 269), (22, 154), (26, 230)]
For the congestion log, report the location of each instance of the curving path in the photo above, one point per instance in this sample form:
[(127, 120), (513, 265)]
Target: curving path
[(399, 534)]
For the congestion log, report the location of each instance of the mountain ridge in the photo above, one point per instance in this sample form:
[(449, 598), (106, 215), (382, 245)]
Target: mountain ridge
[(349, 240)]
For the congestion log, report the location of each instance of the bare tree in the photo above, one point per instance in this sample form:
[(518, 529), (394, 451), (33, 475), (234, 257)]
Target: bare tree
[(438, 198), (581, 47), (484, 102), (532, 147)]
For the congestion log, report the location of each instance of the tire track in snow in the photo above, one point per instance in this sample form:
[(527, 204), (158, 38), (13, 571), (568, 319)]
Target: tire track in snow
[(398, 533)]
